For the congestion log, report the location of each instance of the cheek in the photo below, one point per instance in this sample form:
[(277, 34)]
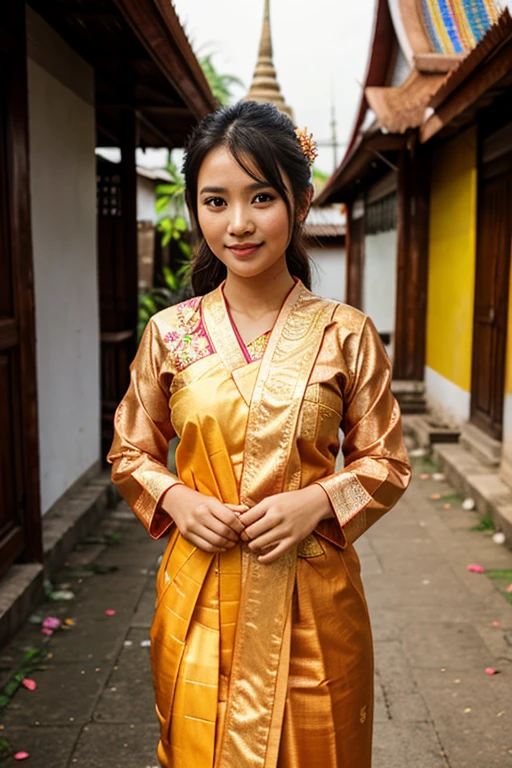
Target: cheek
[(277, 224), (211, 225)]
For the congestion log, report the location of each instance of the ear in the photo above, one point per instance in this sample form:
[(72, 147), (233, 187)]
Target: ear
[(304, 209)]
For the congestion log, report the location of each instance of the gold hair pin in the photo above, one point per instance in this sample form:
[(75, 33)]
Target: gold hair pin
[(307, 144)]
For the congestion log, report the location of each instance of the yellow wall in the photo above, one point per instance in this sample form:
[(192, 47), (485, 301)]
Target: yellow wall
[(452, 249)]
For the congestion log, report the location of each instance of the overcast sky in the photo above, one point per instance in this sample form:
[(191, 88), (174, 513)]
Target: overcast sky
[(320, 53)]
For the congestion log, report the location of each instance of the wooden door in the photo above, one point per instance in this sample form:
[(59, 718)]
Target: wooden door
[(491, 297), (355, 254), (20, 524)]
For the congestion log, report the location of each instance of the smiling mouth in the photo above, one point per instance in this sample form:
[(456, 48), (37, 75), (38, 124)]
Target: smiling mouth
[(244, 250)]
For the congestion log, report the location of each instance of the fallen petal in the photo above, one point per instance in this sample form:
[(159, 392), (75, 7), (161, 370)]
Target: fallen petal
[(110, 612), (51, 622), (447, 506), (69, 622), (509, 588), (435, 496), (499, 537), (128, 643), (30, 684), (21, 755), (418, 452), (47, 631), (468, 504), (476, 568), (145, 644), (424, 476), (490, 671), (438, 476), (496, 624)]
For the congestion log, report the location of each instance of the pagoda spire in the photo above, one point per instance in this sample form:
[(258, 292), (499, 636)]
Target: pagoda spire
[(264, 87)]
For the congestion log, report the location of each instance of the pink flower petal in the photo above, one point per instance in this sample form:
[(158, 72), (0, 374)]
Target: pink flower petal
[(476, 568), (47, 631), (110, 612), (509, 588), (447, 506), (490, 671), (496, 624), (435, 496), (30, 684), (21, 755), (51, 622), (424, 476)]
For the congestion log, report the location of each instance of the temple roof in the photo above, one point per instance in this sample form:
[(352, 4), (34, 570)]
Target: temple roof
[(265, 87), (417, 46)]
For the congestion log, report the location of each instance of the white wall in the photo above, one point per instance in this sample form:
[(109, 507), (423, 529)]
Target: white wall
[(63, 200), (146, 199), (379, 282), (328, 272), (446, 400)]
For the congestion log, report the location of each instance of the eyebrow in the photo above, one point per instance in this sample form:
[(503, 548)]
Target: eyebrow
[(222, 190)]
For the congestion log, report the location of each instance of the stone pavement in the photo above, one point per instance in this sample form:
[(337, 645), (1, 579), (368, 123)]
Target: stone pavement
[(433, 631)]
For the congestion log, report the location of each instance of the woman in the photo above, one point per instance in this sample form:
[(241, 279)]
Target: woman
[(261, 643)]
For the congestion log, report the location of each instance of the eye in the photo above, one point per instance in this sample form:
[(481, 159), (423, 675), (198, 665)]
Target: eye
[(214, 202), (263, 197)]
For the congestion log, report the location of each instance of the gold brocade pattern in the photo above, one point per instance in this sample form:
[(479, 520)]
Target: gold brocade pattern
[(257, 347), (275, 404), (301, 675)]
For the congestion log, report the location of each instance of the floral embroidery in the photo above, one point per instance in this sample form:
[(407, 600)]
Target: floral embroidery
[(257, 347), (189, 341)]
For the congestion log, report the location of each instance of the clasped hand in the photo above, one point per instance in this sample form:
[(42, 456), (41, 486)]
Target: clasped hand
[(272, 527)]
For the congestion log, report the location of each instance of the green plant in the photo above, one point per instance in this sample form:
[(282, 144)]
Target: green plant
[(176, 288), (220, 84)]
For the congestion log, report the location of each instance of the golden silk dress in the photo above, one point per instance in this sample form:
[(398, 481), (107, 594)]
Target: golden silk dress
[(262, 665)]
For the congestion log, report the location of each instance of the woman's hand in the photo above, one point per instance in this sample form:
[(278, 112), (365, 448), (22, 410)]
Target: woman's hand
[(204, 521), (281, 521)]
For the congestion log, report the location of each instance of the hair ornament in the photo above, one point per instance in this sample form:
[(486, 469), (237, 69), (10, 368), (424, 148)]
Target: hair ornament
[(307, 144)]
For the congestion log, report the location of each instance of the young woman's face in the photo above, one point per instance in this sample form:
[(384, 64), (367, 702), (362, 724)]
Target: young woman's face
[(245, 223)]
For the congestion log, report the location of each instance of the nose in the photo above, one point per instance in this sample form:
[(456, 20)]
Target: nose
[(240, 222)]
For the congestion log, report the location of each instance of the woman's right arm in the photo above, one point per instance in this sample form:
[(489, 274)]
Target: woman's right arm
[(142, 431)]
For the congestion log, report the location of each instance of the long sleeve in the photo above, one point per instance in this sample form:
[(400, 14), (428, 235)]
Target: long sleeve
[(376, 470), (142, 431)]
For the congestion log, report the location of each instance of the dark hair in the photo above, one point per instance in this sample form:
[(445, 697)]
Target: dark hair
[(256, 135)]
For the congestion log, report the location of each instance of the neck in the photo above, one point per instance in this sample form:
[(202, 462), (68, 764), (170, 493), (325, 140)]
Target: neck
[(256, 296)]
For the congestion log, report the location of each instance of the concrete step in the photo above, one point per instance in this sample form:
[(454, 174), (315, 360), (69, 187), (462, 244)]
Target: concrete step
[(67, 523), (427, 431), (410, 395), (486, 449), (465, 472), (20, 590)]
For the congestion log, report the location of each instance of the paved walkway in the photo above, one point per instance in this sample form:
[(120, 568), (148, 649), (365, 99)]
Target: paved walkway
[(434, 639)]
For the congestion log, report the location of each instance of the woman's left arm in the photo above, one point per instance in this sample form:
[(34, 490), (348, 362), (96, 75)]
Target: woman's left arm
[(377, 470)]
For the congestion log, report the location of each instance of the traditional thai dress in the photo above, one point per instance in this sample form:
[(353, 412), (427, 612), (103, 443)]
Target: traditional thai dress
[(262, 665)]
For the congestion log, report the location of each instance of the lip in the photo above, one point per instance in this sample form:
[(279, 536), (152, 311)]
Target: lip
[(244, 249)]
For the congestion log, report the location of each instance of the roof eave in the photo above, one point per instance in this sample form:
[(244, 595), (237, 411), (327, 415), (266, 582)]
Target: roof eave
[(158, 28)]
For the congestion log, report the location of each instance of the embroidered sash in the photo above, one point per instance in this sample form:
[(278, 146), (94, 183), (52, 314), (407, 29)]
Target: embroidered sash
[(259, 675)]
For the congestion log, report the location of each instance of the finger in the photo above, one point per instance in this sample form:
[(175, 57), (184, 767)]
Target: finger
[(255, 513), (276, 553), (253, 516), (264, 525), (216, 539), (237, 507), (221, 529), (268, 539), (203, 544), (225, 515)]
